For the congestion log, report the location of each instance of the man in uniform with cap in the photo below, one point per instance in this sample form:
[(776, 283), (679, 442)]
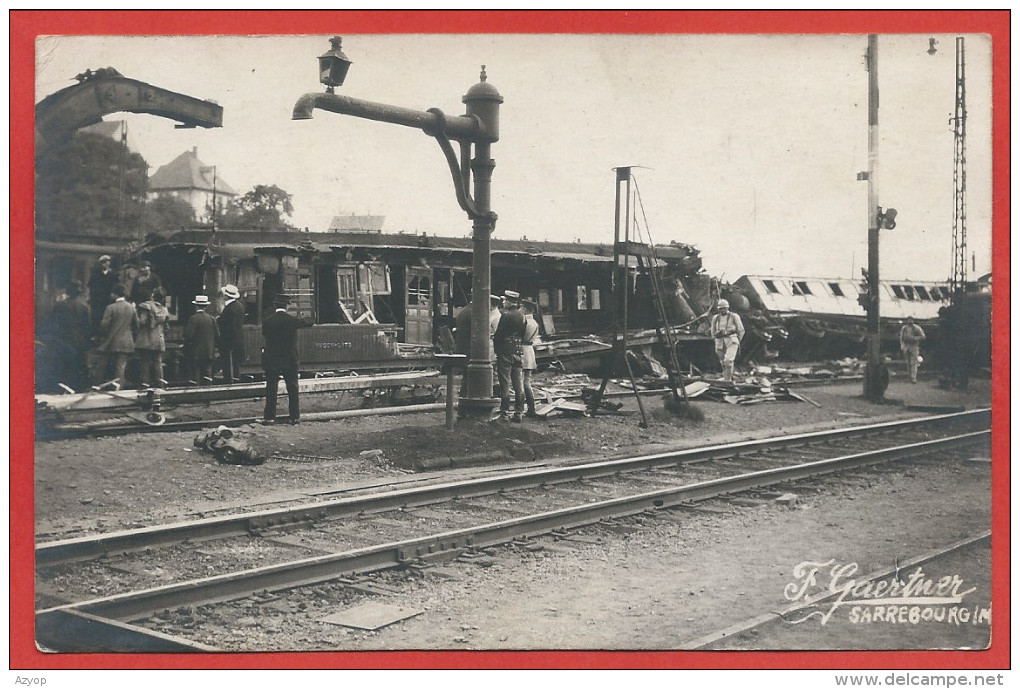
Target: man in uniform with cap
[(101, 282), (462, 334), (280, 359), (728, 331), (146, 282), (508, 344), (230, 325), (200, 340)]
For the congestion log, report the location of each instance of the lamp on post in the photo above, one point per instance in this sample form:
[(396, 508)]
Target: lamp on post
[(333, 66), (474, 132)]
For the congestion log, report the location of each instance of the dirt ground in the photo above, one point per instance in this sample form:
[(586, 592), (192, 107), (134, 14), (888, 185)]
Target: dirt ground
[(661, 586)]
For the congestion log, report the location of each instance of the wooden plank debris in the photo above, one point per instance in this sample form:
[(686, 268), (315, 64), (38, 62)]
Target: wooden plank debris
[(803, 398)]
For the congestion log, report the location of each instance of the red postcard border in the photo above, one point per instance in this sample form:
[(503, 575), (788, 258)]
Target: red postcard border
[(25, 26)]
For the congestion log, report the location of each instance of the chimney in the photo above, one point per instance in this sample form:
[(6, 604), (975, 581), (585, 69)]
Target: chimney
[(194, 151)]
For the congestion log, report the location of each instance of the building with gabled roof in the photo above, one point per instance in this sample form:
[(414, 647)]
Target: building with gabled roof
[(188, 178)]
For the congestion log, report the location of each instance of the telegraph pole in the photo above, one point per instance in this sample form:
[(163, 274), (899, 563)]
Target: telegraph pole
[(875, 379)]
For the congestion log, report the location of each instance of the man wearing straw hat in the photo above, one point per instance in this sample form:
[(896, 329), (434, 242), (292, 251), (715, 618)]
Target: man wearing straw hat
[(230, 323), (200, 341)]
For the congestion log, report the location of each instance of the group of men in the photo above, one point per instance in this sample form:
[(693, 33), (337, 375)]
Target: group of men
[(513, 332), (121, 321), (204, 334), (118, 322), (128, 321)]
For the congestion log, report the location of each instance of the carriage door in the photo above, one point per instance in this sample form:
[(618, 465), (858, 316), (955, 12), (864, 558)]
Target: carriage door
[(418, 306)]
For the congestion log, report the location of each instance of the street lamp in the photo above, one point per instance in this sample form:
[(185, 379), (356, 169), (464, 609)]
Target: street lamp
[(333, 66), (474, 131)]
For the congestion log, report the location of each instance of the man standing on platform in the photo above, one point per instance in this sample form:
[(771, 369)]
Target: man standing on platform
[(508, 343), (230, 324), (101, 282), (118, 327), (200, 340), (280, 359)]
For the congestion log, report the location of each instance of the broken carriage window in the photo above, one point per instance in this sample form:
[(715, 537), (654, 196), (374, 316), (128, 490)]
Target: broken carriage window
[(898, 291), (922, 293), (551, 300), (582, 298), (374, 278), (836, 289), (909, 292), (347, 289), (771, 286), (419, 291)]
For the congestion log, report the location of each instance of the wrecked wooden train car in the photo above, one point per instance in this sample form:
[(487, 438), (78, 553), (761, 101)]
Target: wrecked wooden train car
[(389, 300)]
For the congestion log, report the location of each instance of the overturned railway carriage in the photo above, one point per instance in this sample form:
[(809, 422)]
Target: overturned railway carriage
[(385, 301), (822, 318)]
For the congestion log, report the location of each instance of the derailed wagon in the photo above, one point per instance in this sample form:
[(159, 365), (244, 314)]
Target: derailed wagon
[(387, 301), (823, 319)]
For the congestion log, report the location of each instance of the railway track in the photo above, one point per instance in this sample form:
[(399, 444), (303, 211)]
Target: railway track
[(92, 588)]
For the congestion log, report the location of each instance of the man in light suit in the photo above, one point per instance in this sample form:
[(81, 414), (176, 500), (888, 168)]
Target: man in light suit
[(118, 327), (280, 359)]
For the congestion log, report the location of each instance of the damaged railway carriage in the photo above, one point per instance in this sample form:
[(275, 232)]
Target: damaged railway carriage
[(387, 301), (823, 319)]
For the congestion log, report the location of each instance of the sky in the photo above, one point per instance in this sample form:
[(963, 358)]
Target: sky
[(745, 146)]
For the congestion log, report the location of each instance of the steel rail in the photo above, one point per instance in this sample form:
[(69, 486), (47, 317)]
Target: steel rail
[(139, 604), (80, 430), (87, 547)]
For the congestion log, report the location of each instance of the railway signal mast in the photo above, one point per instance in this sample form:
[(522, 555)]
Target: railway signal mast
[(955, 325), (958, 282)]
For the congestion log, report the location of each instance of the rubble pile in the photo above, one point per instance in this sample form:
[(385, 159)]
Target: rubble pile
[(572, 394)]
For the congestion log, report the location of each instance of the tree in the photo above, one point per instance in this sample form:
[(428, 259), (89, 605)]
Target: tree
[(92, 185), (263, 208), (167, 213)]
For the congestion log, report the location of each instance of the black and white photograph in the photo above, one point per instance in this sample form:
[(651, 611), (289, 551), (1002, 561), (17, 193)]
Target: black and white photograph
[(669, 342)]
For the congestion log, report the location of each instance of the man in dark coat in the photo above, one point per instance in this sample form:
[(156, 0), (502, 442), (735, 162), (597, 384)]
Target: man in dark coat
[(280, 359), (146, 282), (230, 324), (462, 342), (200, 340), (119, 325), (508, 344), (67, 335), (101, 282)]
